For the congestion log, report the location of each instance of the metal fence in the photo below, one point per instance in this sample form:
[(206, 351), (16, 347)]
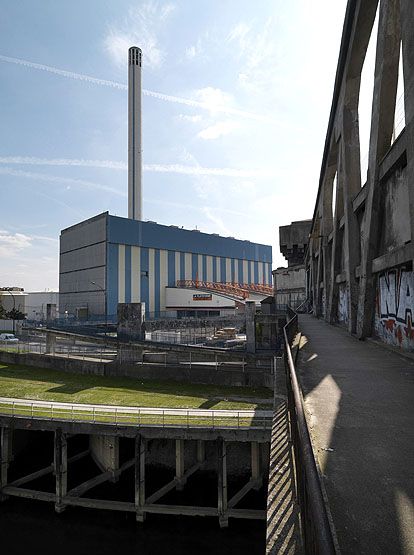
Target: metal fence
[(212, 359), (137, 416), (97, 353), (316, 531)]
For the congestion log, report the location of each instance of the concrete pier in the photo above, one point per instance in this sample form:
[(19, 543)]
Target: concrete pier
[(190, 451), (4, 459), (60, 468), (105, 453)]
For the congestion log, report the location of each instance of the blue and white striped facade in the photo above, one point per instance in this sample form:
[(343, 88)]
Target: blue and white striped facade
[(143, 258)]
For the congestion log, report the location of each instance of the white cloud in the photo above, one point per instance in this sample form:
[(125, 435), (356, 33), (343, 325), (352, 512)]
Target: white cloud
[(192, 119), (217, 221), (218, 129), (239, 33), (12, 243), (195, 51), (259, 54), (191, 52), (214, 99), (140, 28)]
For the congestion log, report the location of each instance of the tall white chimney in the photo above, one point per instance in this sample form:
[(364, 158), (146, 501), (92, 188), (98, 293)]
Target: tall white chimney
[(134, 134)]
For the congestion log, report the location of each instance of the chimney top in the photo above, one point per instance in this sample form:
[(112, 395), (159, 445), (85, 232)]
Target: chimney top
[(135, 56)]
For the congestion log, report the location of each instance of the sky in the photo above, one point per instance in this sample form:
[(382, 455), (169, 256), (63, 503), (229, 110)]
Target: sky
[(236, 103)]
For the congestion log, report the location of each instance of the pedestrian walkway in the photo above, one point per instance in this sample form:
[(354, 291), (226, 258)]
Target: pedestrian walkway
[(359, 399)]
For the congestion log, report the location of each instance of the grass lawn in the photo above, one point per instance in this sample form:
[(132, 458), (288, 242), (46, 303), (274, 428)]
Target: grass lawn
[(52, 385)]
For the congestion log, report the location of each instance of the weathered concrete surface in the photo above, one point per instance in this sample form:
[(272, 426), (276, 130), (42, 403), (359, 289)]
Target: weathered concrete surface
[(359, 401), (105, 451), (204, 373), (130, 319)]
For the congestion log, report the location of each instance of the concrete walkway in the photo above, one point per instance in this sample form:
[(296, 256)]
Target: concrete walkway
[(360, 405)]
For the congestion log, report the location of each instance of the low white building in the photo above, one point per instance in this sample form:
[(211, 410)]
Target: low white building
[(42, 305), (184, 302), (13, 297)]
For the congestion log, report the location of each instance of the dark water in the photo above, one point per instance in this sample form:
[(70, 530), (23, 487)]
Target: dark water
[(32, 527)]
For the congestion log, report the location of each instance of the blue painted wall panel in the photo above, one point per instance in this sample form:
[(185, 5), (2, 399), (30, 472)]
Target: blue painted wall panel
[(112, 279), (144, 278), (223, 277), (232, 269), (194, 267), (171, 269), (249, 273), (182, 265), (241, 277), (204, 276), (157, 281), (256, 272), (128, 274), (214, 269)]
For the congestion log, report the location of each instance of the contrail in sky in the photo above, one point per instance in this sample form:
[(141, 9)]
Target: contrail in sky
[(4, 170), (122, 86), (59, 179), (158, 168)]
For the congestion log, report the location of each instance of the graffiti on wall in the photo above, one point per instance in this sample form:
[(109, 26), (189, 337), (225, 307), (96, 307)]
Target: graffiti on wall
[(343, 304), (395, 308)]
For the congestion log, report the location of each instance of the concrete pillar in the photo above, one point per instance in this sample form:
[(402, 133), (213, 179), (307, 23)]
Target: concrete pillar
[(179, 463), (130, 319), (50, 343), (255, 463), (105, 452), (61, 468), (222, 483), (4, 458), (407, 35), (139, 478), (201, 451), (319, 277), (382, 124), (250, 326)]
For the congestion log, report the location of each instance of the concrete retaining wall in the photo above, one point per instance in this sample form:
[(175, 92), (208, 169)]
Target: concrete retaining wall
[(223, 375)]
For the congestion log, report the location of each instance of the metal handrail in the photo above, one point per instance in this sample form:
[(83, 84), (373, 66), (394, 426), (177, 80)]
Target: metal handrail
[(316, 530), (136, 416), (303, 307)]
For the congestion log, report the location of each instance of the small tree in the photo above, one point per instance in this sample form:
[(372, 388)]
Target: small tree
[(15, 314), (3, 313)]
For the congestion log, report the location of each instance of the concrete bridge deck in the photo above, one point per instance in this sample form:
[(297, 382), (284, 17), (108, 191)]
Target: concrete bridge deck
[(359, 398)]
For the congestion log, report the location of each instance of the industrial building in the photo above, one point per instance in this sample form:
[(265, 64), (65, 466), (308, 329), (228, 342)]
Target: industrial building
[(290, 283), (108, 260)]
